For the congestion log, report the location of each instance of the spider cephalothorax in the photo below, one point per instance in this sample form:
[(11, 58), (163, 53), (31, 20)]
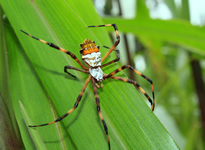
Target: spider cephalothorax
[(88, 47)]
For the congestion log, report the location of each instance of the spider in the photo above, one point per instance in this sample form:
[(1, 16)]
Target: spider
[(91, 56)]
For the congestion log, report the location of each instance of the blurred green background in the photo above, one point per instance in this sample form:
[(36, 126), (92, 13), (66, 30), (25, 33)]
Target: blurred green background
[(166, 38)]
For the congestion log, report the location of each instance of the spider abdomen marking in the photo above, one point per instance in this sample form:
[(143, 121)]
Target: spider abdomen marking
[(93, 59), (96, 73)]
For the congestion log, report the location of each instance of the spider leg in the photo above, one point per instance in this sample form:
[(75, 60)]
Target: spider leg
[(134, 82), (116, 42), (99, 112), (58, 48), (69, 67), (115, 60), (72, 109)]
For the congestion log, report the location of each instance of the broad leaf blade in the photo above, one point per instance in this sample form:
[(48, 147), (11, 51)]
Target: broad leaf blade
[(173, 31), (29, 90), (9, 135), (34, 133), (130, 122)]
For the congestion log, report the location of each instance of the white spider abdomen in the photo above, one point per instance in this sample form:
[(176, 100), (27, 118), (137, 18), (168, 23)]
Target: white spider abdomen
[(97, 73)]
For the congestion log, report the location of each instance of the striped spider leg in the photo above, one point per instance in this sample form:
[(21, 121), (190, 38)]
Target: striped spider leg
[(116, 42), (129, 80), (98, 109), (60, 49), (152, 102), (113, 61), (72, 109)]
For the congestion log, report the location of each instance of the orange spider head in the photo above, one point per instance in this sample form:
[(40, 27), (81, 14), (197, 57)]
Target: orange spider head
[(90, 53), (88, 47)]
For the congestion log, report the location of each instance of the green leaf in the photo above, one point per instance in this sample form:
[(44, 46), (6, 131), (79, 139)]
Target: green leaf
[(142, 10), (38, 81), (27, 88), (173, 31), (9, 135), (34, 133), (173, 8)]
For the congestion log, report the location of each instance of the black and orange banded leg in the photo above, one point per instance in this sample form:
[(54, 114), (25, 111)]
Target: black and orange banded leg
[(116, 42), (99, 112), (58, 48), (77, 69), (115, 60), (72, 109), (134, 82)]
